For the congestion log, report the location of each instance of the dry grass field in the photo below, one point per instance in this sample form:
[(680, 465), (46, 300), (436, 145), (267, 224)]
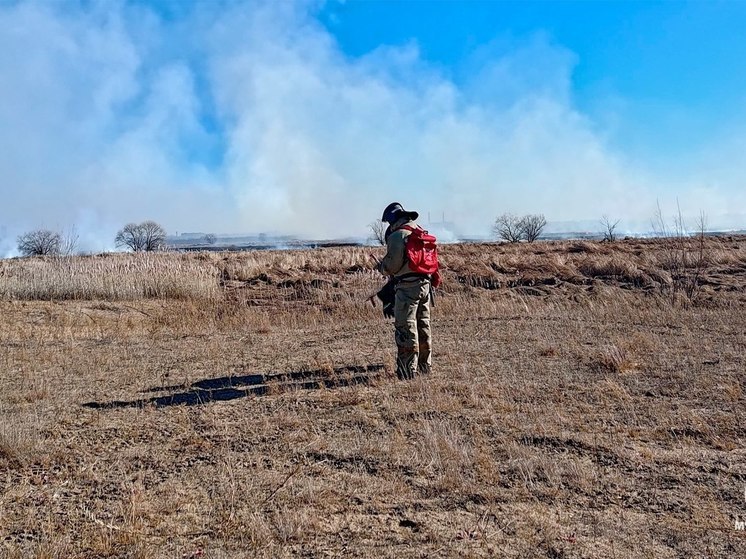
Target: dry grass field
[(587, 400)]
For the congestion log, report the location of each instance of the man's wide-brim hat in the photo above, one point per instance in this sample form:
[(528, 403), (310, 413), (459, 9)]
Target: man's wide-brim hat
[(395, 211)]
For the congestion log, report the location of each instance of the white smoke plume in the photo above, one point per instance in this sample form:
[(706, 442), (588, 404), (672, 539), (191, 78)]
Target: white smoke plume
[(248, 117)]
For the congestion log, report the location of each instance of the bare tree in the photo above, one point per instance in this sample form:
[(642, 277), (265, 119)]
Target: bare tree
[(531, 226), (609, 229), (508, 228), (210, 239), (41, 242), (130, 237), (154, 235), (699, 259), (685, 256), (146, 236), (378, 232), (69, 241)]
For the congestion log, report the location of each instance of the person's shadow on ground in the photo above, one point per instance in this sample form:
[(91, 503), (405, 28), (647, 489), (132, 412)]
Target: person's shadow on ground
[(230, 388)]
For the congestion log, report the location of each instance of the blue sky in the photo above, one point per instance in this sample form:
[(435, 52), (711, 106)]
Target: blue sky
[(252, 116), (676, 70)]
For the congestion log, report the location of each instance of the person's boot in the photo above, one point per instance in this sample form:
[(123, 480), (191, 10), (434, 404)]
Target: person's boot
[(424, 362), (406, 363)]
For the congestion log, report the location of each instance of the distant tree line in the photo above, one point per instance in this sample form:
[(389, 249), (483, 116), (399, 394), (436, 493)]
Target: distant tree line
[(147, 236), (512, 228), (44, 242)]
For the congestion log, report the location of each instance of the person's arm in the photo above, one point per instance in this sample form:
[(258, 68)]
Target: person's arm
[(394, 259)]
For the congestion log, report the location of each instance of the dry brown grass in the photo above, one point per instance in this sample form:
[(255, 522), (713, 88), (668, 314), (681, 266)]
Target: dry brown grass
[(110, 277), (575, 410)]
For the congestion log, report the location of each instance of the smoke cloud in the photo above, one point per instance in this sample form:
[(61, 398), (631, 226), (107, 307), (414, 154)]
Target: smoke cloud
[(248, 117)]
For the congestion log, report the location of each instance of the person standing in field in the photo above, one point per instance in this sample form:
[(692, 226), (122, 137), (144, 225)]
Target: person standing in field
[(411, 260)]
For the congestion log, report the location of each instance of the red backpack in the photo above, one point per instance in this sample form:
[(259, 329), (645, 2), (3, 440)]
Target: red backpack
[(421, 251)]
